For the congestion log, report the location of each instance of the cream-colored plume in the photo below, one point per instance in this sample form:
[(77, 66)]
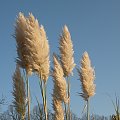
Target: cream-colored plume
[(66, 52), (59, 91), (39, 47), (32, 46), (24, 59), (60, 85), (58, 109), (19, 93), (87, 77)]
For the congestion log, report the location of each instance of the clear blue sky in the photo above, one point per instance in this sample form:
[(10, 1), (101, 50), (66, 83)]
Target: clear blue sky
[(94, 26)]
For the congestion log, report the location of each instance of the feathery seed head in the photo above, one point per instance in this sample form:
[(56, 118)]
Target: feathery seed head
[(39, 48), (44, 63), (20, 28), (87, 77), (58, 109), (60, 85), (66, 52), (19, 92), (32, 46)]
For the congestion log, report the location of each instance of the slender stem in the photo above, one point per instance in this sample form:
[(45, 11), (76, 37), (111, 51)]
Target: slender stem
[(68, 113), (88, 112), (41, 89), (43, 92), (45, 101), (28, 96), (66, 116)]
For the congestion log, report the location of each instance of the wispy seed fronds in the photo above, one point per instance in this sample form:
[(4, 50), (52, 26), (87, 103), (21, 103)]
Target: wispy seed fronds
[(66, 52), (24, 59), (58, 109), (87, 77), (32, 46), (19, 93), (39, 47), (60, 85)]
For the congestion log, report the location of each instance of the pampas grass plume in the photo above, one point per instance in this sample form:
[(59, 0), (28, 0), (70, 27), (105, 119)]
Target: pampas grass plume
[(60, 85), (66, 52), (58, 109), (59, 90), (39, 47), (32, 46), (19, 93), (87, 77), (24, 59)]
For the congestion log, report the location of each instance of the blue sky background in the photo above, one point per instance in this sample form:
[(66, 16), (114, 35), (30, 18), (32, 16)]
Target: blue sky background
[(94, 26)]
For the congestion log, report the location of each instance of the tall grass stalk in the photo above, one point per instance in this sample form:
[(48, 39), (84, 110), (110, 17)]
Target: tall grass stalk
[(33, 51), (87, 77), (67, 60), (59, 90), (19, 93)]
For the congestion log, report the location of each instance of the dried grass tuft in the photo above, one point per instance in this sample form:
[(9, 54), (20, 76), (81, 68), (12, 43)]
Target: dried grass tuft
[(19, 93), (66, 52), (57, 107), (24, 59), (59, 90), (39, 47), (32, 46), (87, 77), (60, 85)]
